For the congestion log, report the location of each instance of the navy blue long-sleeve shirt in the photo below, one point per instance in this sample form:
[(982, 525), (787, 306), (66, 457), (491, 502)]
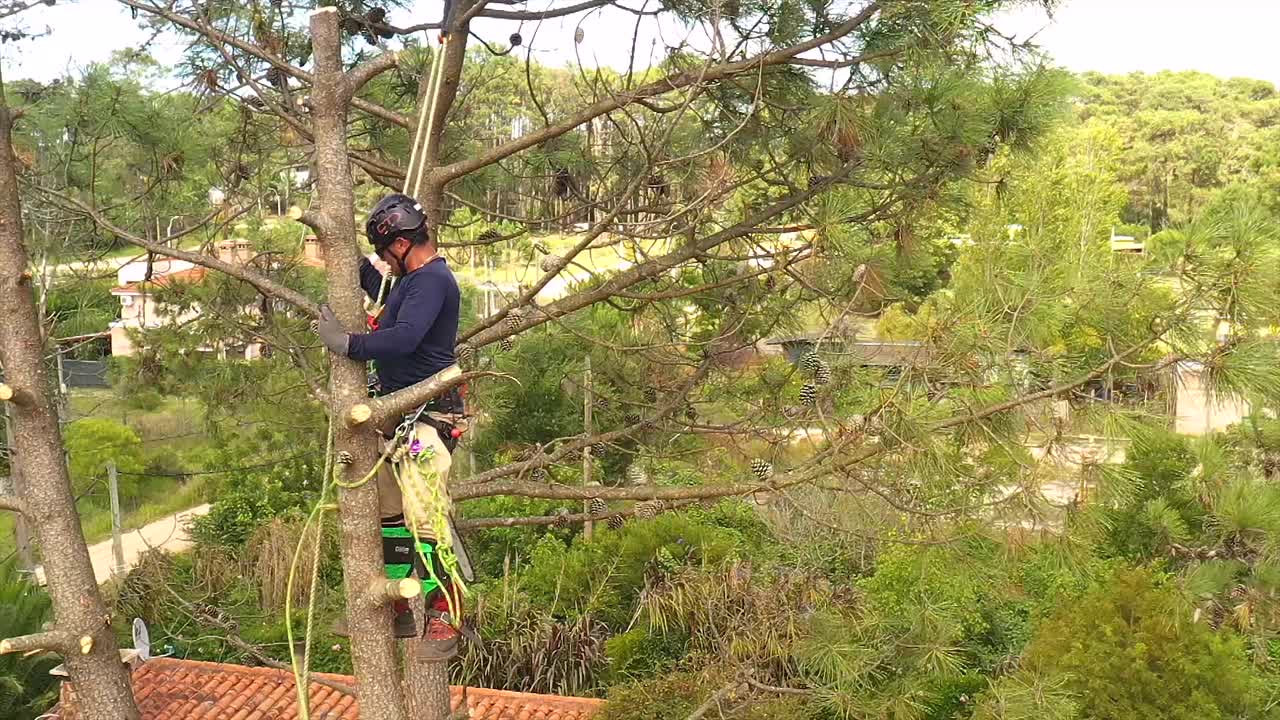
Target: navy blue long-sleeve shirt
[(418, 326)]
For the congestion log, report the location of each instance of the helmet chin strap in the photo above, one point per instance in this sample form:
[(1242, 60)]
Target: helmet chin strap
[(403, 258)]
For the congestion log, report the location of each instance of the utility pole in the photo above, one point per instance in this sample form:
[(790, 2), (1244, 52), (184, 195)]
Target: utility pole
[(587, 401), (117, 543)]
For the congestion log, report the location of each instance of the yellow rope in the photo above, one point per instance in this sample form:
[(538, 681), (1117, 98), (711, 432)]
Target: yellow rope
[(316, 516)]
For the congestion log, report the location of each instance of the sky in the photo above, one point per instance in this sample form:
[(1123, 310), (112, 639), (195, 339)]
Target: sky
[(1225, 37)]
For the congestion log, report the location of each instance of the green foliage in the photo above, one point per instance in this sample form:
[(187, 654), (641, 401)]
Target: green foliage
[(1160, 507), (92, 443), (670, 696), (1172, 124), (27, 690), (1026, 697), (1125, 651), (80, 307), (641, 653), (536, 409), (492, 549), (245, 503), (604, 577)]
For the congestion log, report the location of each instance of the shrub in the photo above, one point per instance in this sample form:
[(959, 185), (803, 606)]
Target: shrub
[(1128, 649), (93, 442), (26, 688), (246, 503)]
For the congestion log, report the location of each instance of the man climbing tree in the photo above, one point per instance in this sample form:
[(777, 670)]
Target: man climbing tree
[(411, 339)]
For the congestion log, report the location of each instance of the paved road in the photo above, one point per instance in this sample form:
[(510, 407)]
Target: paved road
[(169, 533)]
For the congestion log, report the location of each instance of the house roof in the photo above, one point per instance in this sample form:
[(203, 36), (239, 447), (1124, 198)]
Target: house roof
[(172, 689), (889, 354), (868, 353), (190, 275)]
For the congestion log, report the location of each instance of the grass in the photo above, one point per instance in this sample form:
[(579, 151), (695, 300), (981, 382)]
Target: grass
[(516, 268)]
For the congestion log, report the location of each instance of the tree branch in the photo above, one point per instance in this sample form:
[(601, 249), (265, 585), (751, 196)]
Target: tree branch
[(262, 284), (213, 33), (56, 641), (12, 503), (379, 411), (846, 62), (545, 520), (714, 700), (665, 85), (545, 14), (368, 70), (652, 268), (9, 393)]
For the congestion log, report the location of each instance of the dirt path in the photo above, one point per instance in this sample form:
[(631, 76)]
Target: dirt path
[(169, 533)]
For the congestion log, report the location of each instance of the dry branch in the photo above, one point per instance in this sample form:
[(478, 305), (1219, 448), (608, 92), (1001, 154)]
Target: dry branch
[(261, 283), (675, 81), (55, 641)]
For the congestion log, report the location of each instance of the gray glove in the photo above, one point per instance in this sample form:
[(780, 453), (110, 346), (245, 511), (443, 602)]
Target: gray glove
[(331, 332)]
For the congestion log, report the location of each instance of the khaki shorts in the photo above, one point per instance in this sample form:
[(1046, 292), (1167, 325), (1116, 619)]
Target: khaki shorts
[(434, 477)]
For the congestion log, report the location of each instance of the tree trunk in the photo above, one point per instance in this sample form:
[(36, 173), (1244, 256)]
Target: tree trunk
[(82, 625), (426, 681), (373, 649)]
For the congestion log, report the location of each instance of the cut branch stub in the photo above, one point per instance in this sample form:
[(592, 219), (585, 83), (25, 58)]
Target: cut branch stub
[(9, 393), (384, 591), (53, 641)]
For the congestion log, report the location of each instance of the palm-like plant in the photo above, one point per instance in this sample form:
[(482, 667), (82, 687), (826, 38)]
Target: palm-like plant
[(26, 688)]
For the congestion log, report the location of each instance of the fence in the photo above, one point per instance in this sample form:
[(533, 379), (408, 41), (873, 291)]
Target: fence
[(85, 373)]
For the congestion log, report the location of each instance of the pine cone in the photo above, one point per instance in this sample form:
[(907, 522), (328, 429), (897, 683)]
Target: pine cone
[(506, 345), (648, 510), (514, 320), (597, 506), (344, 458), (650, 395), (466, 354), (808, 394), (631, 418), (539, 475), (761, 469), (599, 449), (562, 518), (810, 362), (822, 375), (616, 522)]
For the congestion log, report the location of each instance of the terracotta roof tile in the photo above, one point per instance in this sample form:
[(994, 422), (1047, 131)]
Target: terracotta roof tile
[(171, 689)]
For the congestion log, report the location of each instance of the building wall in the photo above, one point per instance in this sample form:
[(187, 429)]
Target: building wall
[(1197, 413)]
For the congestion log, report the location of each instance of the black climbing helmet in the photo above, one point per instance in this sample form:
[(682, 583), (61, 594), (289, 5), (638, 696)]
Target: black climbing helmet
[(394, 216)]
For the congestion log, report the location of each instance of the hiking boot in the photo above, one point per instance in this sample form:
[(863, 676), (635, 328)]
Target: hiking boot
[(404, 626), (440, 641)]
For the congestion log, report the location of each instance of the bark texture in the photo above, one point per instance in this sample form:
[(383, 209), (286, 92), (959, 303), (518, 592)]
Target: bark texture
[(101, 681), (426, 681)]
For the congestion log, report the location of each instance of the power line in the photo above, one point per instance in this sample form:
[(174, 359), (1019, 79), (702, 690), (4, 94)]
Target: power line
[(216, 472)]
